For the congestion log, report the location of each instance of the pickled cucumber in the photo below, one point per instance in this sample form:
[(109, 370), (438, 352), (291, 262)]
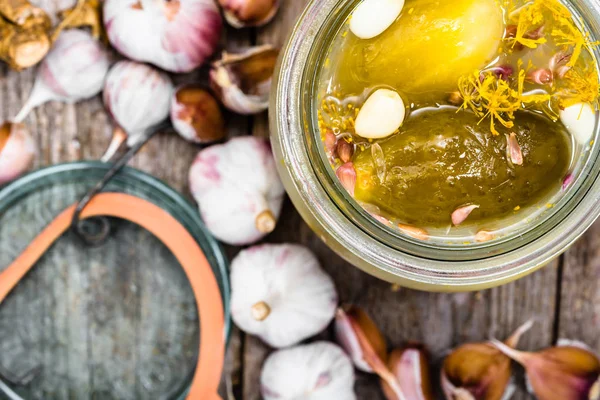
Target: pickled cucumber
[(429, 47), (443, 160)]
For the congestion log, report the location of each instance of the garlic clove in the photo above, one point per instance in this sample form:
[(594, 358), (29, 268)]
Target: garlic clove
[(372, 17), (580, 121), (196, 115), (318, 370), (363, 342), (461, 214), (479, 371), (484, 236), (249, 13), (513, 149), (177, 35), (357, 333), (344, 150), (74, 70), (410, 366), (243, 81), (347, 176), (568, 372), (281, 294), (542, 76), (567, 181), (137, 96), (413, 231), (381, 115), (17, 151), (238, 190)]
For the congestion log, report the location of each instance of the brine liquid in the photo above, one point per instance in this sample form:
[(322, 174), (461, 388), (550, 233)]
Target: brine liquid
[(468, 82)]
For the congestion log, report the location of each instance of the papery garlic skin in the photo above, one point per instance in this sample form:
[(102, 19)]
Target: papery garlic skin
[(137, 96), (300, 297), (249, 13), (74, 70), (196, 115), (53, 7), (242, 81), (238, 189), (17, 151), (317, 371), (177, 35)]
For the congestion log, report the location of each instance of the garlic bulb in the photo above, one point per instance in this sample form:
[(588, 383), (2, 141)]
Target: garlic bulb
[(243, 81), (196, 115), (177, 35), (138, 97), (280, 294), (248, 13), (317, 371), (74, 70), (17, 150), (238, 190)]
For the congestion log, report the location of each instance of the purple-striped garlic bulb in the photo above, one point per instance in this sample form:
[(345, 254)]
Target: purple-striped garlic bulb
[(237, 189), (281, 294), (175, 35), (137, 96), (247, 13), (17, 151), (74, 70), (319, 370)]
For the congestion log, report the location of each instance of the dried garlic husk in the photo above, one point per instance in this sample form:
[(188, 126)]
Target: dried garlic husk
[(565, 372), (23, 46), (249, 13), (74, 70), (17, 151), (479, 371), (363, 342), (177, 35), (242, 81), (137, 97), (410, 366), (85, 14), (54, 7), (280, 294), (196, 115), (238, 190), (22, 12), (317, 371)]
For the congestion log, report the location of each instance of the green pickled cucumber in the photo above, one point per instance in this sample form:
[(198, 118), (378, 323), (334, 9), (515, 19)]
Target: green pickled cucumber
[(429, 47), (443, 160)]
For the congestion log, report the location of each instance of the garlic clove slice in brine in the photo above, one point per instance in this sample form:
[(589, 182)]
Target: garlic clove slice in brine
[(580, 121), (372, 17), (381, 115)]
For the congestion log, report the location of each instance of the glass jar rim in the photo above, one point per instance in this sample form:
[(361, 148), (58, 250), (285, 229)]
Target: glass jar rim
[(363, 241)]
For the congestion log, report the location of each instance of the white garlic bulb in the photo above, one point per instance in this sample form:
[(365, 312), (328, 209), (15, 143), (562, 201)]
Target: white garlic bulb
[(237, 189), (17, 151), (138, 97), (177, 36), (281, 294), (317, 371), (74, 70)]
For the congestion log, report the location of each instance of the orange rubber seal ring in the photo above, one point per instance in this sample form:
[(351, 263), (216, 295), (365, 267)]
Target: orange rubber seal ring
[(184, 247)]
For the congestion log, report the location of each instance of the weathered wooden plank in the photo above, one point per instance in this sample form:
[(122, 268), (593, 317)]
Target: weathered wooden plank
[(580, 300)]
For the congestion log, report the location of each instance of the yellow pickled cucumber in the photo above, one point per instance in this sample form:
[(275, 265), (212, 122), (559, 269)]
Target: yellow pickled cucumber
[(429, 47)]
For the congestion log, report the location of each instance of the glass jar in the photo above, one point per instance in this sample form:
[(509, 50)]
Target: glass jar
[(382, 250)]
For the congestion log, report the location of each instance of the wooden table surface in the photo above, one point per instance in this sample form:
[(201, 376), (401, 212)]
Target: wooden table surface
[(563, 298)]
